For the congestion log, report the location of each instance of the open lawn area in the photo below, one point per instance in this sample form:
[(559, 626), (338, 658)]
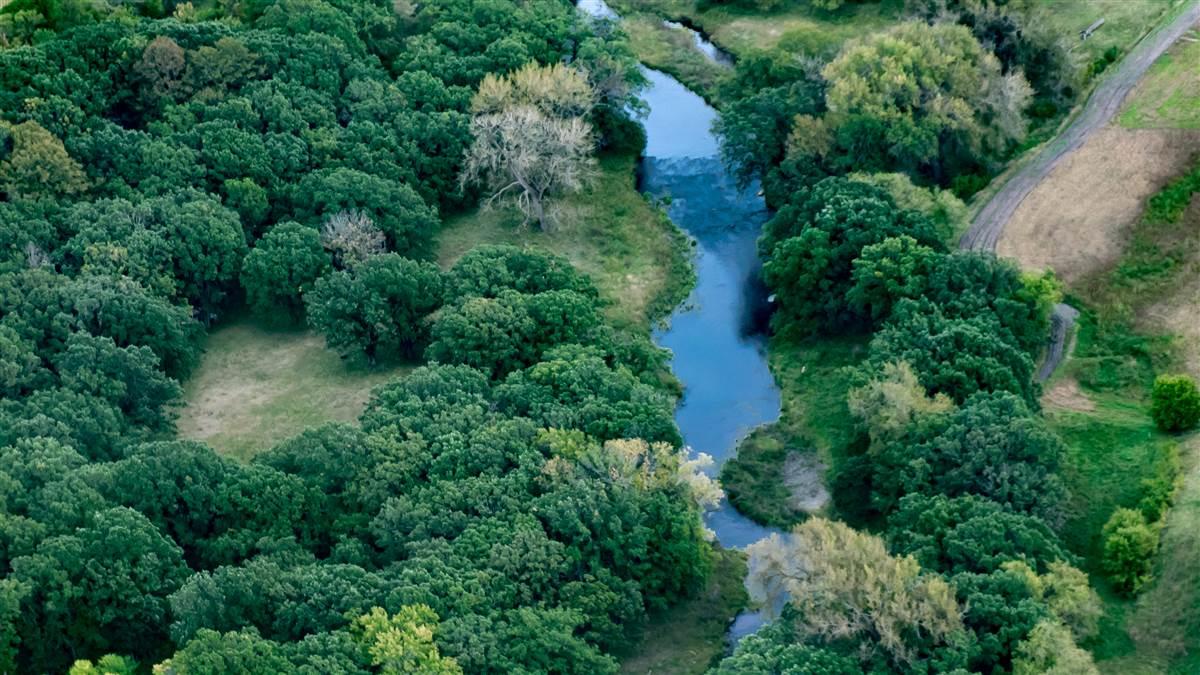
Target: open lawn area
[(257, 386), (1125, 21), (795, 27), (1169, 96), (637, 257), (672, 51), (1140, 322)]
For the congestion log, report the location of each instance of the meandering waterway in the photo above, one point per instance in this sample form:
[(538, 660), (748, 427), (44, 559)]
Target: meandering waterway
[(715, 336)]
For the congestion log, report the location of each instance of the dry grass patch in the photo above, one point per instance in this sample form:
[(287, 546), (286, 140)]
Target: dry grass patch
[(1076, 221), (1065, 394), (257, 386)]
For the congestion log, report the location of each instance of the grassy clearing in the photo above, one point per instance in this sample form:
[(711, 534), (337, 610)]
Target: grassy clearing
[(672, 51), (1169, 96), (257, 386), (637, 257), (1160, 633), (689, 637), (1125, 21), (1122, 344), (799, 27), (813, 381)]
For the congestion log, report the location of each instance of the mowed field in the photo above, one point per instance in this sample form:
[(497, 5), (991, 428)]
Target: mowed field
[(257, 385), (1077, 222)]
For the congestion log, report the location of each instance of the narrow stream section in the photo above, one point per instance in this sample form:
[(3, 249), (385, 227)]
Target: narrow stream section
[(715, 336)]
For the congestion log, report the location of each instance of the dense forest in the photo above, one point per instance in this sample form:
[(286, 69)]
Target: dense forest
[(515, 506), (522, 500)]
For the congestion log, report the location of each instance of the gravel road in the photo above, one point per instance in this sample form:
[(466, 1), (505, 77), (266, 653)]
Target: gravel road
[(1097, 112)]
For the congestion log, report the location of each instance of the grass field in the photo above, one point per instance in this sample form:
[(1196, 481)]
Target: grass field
[(688, 638), (257, 386), (1169, 96), (1125, 21), (813, 381), (798, 27), (1134, 329)]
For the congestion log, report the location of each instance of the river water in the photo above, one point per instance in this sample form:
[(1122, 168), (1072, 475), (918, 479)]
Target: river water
[(715, 336)]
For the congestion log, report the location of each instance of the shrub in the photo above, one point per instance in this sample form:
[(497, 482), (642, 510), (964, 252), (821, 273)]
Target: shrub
[(1129, 546), (1175, 403), (1158, 492)]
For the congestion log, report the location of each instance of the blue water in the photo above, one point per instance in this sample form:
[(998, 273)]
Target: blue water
[(715, 336)]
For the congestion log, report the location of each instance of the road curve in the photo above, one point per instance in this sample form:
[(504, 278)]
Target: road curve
[(1104, 102)]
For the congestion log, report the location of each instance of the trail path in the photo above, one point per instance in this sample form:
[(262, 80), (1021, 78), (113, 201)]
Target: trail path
[(1097, 112)]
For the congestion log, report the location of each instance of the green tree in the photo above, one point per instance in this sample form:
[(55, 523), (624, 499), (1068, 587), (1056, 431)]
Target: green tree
[(38, 165), (895, 268), (991, 446), (127, 377), (810, 247), (502, 334), (403, 643), (241, 652), (953, 356), (970, 534), (405, 219), (1175, 403), (486, 271), (1129, 547), (379, 308), (102, 588), (109, 664), (282, 268), (942, 99)]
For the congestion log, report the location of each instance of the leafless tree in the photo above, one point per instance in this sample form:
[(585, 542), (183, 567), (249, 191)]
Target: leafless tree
[(532, 141), (352, 237)]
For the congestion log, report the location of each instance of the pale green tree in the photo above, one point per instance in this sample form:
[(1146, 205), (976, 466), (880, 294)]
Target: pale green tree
[(403, 643)]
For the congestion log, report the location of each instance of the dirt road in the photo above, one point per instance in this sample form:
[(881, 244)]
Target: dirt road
[(1097, 112)]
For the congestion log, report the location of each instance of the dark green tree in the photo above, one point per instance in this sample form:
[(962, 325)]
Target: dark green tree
[(379, 308), (284, 266)]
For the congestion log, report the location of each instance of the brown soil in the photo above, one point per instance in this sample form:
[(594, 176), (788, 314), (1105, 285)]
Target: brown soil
[(1066, 395), (1075, 221)]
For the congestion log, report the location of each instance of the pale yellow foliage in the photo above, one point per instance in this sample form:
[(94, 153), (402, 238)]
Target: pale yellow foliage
[(556, 91), (810, 137), (1066, 592), (845, 585), (1050, 650), (888, 405)]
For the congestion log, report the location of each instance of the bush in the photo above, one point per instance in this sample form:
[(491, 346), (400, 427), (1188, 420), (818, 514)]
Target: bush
[(1129, 546), (1158, 492), (1175, 403)]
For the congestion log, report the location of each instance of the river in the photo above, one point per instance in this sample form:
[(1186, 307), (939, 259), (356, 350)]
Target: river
[(716, 336)]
